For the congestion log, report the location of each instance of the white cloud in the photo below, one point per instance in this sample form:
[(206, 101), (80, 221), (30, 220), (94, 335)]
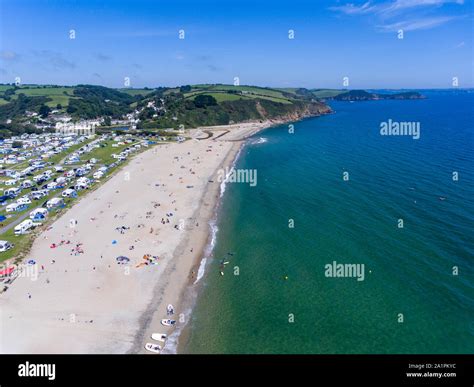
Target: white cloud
[(388, 12), (402, 5), (351, 9), (390, 6), (417, 24)]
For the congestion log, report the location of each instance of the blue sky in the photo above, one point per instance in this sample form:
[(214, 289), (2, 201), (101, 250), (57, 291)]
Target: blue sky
[(246, 39)]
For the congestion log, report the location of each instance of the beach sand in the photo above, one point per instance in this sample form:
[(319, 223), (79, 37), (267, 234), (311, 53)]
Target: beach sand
[(84, 302)]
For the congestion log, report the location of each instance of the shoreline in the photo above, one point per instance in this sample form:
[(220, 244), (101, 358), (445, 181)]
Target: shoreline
[(207, 212), (85, 304), (185, 300)]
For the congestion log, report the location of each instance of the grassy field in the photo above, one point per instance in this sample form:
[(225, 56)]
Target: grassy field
[(104, 153), (274, 99), (317, 93), (58, 94), (326, 93), (172, 90), (4, 88), (220, 97), (60, 156), (262, 91), (20, 242), (221, 93)]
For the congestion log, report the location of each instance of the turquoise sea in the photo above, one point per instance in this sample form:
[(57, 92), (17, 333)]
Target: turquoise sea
[(282, 302)]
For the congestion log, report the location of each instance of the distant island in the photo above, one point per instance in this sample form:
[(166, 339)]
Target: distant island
[(39, 108), (362, 95)]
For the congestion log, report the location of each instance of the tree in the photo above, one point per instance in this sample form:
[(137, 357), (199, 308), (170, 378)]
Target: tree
[(59, 106), (146, 113), (17, 144), (204, 100), (107, 121), (44, 111), (185, 89)]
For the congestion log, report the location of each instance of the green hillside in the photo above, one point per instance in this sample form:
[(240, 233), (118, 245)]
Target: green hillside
[(56, 94), (158, 108)]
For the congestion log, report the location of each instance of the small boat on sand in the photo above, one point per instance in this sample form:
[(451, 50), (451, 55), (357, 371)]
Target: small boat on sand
[(167, 322), (155, 348), (158, 337), (169, 310)]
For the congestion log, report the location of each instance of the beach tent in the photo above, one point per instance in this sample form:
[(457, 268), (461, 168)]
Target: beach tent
[(38, 216)]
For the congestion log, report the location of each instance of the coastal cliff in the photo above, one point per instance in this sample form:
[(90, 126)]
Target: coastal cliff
[(294, 112)]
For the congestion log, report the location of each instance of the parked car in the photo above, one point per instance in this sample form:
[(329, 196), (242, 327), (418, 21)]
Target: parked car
[(5, 245)]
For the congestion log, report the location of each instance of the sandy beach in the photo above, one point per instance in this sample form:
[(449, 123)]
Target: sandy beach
[(158, 205)]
